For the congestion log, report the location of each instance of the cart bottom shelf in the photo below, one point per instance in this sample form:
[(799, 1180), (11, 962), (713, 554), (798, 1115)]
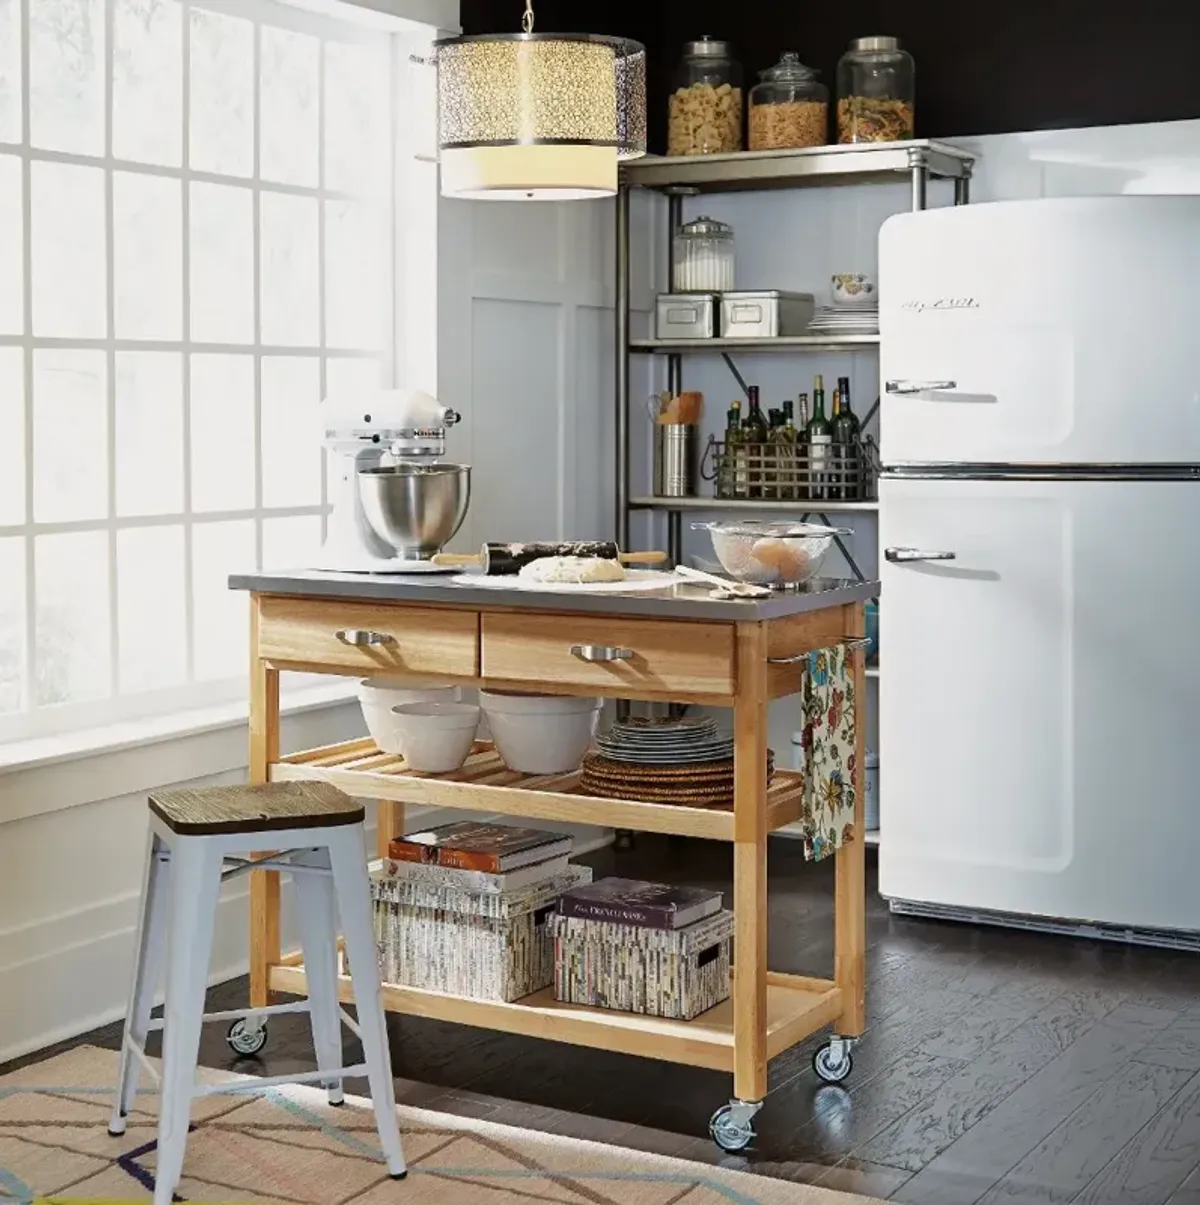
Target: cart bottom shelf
[(796, 1008)]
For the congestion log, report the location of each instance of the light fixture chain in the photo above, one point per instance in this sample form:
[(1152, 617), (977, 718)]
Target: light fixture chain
[(527, 19)]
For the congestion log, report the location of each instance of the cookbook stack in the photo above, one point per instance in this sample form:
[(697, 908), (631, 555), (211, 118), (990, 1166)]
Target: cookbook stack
[(463, 909), (649, 948)]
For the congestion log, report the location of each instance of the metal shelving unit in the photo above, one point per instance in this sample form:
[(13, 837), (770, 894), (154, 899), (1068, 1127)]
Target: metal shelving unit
[(920, 161)]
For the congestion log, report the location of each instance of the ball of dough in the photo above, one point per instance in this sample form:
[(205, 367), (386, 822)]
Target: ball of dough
[(580, 569)]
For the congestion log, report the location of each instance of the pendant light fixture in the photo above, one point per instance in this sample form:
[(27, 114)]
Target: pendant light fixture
[(538, 116)]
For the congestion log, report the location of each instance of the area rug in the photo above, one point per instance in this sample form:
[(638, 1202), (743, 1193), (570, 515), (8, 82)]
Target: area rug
[(286, 1146)]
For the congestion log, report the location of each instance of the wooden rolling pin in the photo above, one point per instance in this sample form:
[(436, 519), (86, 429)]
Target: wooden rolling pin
[(505, 559)]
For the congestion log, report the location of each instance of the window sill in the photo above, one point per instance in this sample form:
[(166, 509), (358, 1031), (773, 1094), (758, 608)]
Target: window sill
[(113, 738), (50, 774)]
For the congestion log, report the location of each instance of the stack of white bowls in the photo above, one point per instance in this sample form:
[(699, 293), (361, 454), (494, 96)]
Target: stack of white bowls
[(378, 696), (433, 730)]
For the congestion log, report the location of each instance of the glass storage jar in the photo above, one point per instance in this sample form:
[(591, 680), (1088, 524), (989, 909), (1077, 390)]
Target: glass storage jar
[(704, 114), (789, 107), (875, 87), (703, 257)]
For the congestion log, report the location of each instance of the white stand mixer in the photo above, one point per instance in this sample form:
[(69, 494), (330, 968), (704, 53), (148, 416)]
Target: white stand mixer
[(394, 503)]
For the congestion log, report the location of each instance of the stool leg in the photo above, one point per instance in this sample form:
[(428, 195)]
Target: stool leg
[(195, 883), (346, 854), (317, 918), (147, 969)]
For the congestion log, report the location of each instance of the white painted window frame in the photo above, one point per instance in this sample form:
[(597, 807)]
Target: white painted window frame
[(340, 21)]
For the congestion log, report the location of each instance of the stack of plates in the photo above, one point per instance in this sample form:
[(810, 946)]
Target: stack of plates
[(653, 742), (682, 762), (844, 320)]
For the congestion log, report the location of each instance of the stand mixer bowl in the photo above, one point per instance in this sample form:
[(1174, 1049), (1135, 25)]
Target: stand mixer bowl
[(416, 508)]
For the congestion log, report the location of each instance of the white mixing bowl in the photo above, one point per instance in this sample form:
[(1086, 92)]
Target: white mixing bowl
[(377, 697), (436, 736), (540, 734)]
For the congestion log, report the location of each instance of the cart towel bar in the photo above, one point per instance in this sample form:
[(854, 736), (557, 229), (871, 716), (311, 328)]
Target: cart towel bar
[(192, 835), (601, 652), (906, 387), (851, 643)]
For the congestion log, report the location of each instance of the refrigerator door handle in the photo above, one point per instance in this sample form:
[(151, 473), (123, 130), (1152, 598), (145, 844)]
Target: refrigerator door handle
[(901, 556), (906, 387)]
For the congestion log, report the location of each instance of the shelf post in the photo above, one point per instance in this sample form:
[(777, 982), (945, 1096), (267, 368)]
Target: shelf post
[(265, 951), (621, 375), (750, 865), (918, 166), (674, 367), (962, 186)]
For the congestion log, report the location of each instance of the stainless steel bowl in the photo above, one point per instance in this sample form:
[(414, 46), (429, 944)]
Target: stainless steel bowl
[(416, 508)]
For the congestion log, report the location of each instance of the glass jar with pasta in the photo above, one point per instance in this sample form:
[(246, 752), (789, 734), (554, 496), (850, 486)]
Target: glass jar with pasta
[(876, 87), (705, 109), (789, 107)]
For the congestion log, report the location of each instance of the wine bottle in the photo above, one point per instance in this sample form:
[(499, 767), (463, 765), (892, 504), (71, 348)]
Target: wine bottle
[(756, 423), (756, 433), (771, 465), (785, 440), (788, 430), (820, 441), (846, 433), (802, 446), (735, 452), (833, 477)]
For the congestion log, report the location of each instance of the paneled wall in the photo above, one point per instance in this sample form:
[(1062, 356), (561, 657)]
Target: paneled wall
[(526, 341)]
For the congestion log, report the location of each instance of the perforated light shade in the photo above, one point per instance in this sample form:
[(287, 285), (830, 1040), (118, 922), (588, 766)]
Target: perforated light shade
[(538, 116)]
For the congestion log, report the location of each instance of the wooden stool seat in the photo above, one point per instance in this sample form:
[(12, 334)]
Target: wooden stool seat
[(204, 811)]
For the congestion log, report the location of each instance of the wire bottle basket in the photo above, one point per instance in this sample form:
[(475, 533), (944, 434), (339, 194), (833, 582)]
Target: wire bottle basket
[(792, 472)]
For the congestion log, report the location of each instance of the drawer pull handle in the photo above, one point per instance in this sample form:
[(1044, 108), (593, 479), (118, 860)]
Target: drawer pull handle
[(852, 644), (361, 638), (601, 652)]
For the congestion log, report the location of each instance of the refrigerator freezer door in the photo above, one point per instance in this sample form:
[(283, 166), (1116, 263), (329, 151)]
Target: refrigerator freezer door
[(1066, 327), (1038, 713)]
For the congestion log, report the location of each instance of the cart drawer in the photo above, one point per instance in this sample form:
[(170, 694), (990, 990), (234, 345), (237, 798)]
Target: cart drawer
[(365, 637), (606, 655)]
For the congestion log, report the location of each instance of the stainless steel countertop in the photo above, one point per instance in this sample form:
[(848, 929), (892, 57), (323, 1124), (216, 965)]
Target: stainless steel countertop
[(675, 602)]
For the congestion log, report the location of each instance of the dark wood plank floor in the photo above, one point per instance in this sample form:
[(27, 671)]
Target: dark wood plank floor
[(998, 1067)]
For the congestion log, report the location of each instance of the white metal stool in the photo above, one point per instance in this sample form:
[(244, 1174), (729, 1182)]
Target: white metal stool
[(196, 837)]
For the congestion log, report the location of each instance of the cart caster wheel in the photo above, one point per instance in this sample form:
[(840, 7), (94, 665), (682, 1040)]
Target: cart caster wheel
[(833, 1063), (244, 1040), (730, 1131)]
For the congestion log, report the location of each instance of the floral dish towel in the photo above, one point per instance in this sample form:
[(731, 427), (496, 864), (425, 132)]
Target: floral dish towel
[(830, 765)]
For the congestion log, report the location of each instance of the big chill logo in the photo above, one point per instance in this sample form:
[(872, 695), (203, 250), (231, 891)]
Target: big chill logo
[(941, 303)]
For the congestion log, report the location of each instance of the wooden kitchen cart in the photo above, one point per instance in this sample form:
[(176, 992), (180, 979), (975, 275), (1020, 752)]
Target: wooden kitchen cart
[(677, 645)]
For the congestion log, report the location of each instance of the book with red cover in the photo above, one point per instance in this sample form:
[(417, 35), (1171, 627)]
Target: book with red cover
[(494, 848), (647, 905)]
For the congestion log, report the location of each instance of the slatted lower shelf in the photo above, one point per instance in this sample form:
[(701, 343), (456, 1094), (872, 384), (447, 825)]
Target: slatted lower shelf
[(486, 784), (796, 1008)]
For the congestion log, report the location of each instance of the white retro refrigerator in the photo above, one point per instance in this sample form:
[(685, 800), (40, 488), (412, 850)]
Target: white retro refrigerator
[(1040, 564)]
